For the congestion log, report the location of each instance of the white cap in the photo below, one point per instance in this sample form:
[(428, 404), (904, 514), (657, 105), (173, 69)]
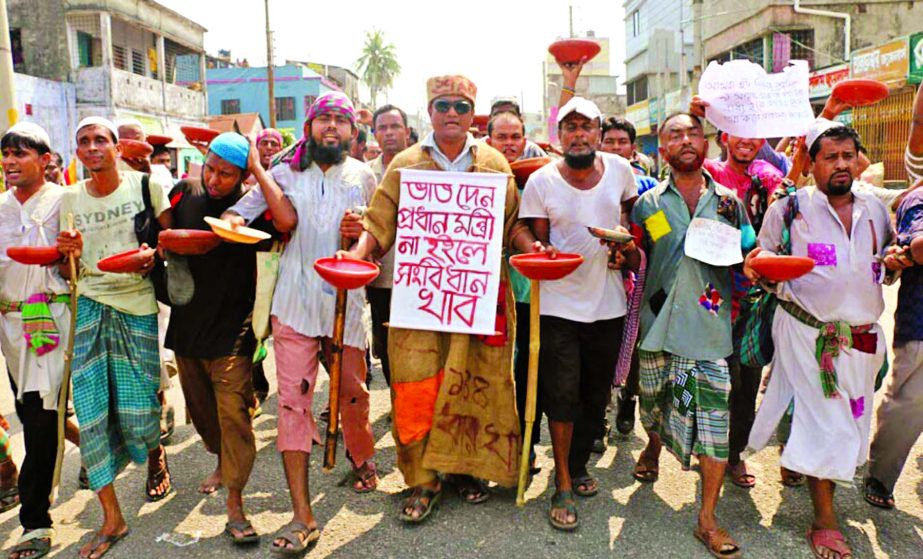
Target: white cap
[(581, 106), (130, 122), (98, 121), (818, 127), (31, 130)]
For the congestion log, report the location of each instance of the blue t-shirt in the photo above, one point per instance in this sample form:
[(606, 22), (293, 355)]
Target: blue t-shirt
[(645, 183), (908, 319)]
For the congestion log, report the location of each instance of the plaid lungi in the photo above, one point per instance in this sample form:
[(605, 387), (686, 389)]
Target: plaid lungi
[(116, 376), (686, 402)]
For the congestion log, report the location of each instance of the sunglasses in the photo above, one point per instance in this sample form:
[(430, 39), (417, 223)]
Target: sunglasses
[(443, 106)]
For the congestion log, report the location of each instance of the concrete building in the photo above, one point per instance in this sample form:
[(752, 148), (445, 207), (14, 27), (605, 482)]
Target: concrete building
[(236, 90), (125, 58), (346, 79), (596, 83)]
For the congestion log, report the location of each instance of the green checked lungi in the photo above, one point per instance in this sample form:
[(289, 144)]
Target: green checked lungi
[(116, 376), (686, 402)]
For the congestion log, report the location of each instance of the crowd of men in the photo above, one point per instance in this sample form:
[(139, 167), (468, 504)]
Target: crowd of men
[(673, 332)]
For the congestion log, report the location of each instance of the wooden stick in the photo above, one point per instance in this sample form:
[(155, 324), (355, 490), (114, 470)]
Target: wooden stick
[(531, 388), (336, 369), (64, 391)]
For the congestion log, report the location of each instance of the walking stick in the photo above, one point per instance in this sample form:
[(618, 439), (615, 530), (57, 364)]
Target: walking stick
[(336, 368), (531, 389), (64, 391)]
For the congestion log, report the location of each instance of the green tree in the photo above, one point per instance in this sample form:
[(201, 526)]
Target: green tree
[(378, 64)]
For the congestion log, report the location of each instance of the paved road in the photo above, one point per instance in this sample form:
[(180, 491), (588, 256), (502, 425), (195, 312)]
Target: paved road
[(626, 519)]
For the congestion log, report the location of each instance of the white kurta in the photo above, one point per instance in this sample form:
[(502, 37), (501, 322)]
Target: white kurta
[(34, 223), (302, 299), (830, 436)]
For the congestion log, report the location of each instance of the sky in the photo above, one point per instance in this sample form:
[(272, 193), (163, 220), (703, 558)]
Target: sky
[(499, 44)]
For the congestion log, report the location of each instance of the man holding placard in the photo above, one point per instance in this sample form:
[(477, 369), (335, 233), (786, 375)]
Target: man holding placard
[(454, 406), (694, 230)]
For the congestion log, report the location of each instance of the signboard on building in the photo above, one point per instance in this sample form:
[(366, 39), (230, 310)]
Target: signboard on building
[(639, 115), (888, 63), (821, 82), (916, 58)]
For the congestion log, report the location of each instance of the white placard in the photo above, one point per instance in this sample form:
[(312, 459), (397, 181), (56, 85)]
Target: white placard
[(747, 102), (713, 242), (447, 251)]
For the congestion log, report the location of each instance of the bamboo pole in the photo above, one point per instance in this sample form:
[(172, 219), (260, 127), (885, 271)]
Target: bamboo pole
[(64, 390), (531, 389), (336, 370)]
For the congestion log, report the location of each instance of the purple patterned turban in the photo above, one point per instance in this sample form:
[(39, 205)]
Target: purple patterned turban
[(332, 102)]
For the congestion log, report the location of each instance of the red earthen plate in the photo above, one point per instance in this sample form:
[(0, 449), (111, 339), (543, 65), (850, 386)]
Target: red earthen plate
[(199, 134), (188, 241), (41, 256), (539, 267), (569, 51), (346, 273), (524, 168), (158, 140), (858, 93), (782, 268), (127, 262), (133, 149)]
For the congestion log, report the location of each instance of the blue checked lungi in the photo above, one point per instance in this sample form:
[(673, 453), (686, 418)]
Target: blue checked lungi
[(686, 402), (116, 376)]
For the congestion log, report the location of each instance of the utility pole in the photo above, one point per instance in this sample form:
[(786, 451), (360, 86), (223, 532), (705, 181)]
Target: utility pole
[(570, 17), (8, 113), (269, 72)]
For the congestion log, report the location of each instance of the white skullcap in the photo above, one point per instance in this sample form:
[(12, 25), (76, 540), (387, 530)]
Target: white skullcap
[(98, 121), (31, 130), (581, 106), (818, 127)]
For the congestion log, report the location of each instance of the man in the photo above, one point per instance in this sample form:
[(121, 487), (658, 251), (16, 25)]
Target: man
[(161, 156), (132, 129), (510, 105), (54, 172), (116, 366), (830, 346), (34, 320), (211, 333), (419, 359), (392, 134), (686, 321), (308, 194), (372, 150), (582, 314), (506, 133), (269, 142), (357, 147)]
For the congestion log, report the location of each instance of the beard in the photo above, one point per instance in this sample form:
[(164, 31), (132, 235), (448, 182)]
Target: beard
[(580, 161), (743, 160), (328, 155), (686, 167), (839, 189)]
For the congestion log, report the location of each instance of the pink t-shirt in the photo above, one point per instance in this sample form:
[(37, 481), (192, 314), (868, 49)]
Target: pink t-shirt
[(724, 174)]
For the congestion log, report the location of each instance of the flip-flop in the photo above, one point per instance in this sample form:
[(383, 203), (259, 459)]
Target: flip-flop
[(592, 486), (100, 540), (874, 489), (290, 533), (241, 526), (646, 474), (38, 542), (468, 486), (714, 540), (830, 539), (791, 478), (432, 497), (563, 500), (742, 479), (367, 476), (9, 498), (154, 481)]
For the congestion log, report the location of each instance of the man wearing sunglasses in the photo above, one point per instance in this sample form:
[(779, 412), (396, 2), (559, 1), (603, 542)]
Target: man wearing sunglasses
[(425, 365)]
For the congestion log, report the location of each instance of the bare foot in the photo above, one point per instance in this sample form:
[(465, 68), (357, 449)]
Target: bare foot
[(212, 483)]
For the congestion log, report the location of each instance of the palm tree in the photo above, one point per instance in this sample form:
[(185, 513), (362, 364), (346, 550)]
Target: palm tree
[(378, 63)]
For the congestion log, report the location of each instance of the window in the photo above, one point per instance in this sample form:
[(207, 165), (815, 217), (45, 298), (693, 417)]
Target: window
[(137, 62), (230, 106), (636, 91), (285, 108), (803, 45), (16, 47), (752, 51), (119, 57), (85, 49), (635, 23), (308, 101)]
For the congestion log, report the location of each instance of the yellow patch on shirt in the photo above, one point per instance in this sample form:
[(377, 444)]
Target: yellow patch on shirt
[(657, 225)]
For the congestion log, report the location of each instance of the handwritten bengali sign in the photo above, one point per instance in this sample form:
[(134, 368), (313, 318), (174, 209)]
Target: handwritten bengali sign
[(747, 102), (713, 242), (447, 251)]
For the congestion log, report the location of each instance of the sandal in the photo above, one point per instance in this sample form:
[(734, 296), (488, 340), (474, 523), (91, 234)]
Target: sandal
[(292, 533), (155, 480), (877, 495), (740, 476), (100, 540), (241, 527), (563, 500), (832, 540), (625, 412), (167, 424), (424, 500), (37, 543), (585, 486), (365, 478), (472, 490), (83, 478), (644, 471), (791, 478), (717, 542), (9, 498)]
